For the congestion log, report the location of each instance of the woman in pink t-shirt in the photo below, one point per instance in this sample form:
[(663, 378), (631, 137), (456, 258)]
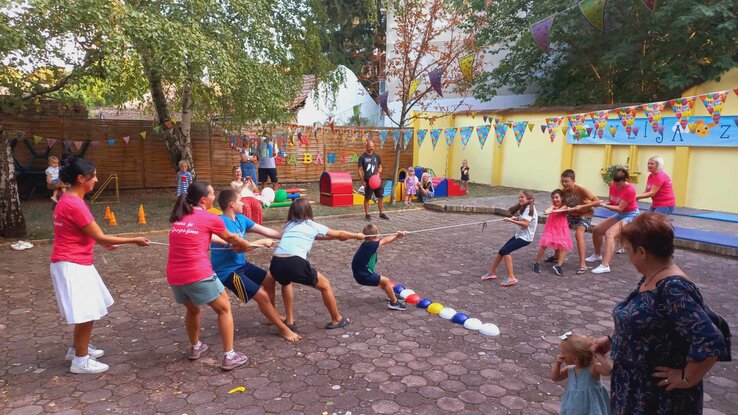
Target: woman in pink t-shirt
[(623, 202), (659, 188), (80, 292), (190, 273)]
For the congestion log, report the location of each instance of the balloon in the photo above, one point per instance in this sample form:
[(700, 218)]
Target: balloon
[(280, 195), (267, 195), (490, 329), (398, 288), (375, 181), (473, 324), (413, 299), (447, 313), (424, 303), (459, 318), (435, 308), (405, 293)]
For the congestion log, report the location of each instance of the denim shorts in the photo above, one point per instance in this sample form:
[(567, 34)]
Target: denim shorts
[(628, 216), (200, 293), (668, 210)]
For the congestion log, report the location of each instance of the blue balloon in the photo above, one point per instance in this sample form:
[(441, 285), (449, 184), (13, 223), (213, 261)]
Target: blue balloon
[(459, 318), (424, 303), (398, 288)]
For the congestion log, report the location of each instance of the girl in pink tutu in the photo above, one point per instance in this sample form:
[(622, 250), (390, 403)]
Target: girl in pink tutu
[(555, 234)]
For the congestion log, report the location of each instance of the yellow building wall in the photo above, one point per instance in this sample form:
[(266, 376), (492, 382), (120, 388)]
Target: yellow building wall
[(703, 177), (426, 156)]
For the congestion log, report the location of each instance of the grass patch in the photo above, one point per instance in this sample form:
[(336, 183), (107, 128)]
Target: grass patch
[(158, 205)]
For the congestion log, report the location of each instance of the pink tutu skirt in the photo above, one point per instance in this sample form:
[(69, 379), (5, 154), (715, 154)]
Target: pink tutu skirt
[(556, 232)]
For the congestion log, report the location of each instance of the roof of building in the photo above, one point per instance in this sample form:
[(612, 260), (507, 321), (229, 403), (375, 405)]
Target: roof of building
[(309, 82)]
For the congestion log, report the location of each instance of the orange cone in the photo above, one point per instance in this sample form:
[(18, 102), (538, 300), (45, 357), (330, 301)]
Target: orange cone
[(113, 222), (107, 212), (141, 215)]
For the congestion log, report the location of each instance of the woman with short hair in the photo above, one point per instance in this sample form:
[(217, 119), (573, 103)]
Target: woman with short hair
[(659, 188)]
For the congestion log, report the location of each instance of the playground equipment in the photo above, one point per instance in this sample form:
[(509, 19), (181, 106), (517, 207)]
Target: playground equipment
[(359, 197), (336, 189), (442, 186), (115, 198)]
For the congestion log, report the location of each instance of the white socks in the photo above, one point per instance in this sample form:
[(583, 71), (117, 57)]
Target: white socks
[(230, 354), (80, 361), (197, 346)]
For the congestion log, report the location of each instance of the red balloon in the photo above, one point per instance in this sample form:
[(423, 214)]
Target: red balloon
[(375, 181), (413, 299)]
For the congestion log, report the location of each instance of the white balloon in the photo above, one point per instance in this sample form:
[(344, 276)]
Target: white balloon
[(447, 313), (406, 293), (472, 324), (268, 195), (490, 329)]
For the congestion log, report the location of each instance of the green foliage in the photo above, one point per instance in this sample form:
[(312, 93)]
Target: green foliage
[(610, 171), (641, 56)]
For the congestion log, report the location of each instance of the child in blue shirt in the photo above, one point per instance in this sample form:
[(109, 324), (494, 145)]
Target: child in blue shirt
[(365, 259), (184, 179), (240, 276), (289, 263)]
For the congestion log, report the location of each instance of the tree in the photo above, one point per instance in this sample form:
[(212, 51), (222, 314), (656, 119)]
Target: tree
[(642, 56), (428, 37)]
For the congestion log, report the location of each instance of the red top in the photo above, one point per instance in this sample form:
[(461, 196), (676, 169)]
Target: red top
[(665, 196), (71, 243), (189, 242), (627, 193)]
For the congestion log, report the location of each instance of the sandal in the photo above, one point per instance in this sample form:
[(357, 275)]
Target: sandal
[(507, 281), (343, 323), (292, 326), (582, 271), (486, 277)]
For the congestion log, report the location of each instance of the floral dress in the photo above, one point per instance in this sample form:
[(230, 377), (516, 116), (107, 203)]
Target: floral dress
[(663, 327)]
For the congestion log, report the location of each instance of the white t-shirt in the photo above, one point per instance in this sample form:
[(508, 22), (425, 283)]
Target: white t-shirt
[(298, 237), (527, 234), (53, 172)]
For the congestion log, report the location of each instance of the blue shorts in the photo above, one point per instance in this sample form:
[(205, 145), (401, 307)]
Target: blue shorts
[(627, 217), (245, 281), (200, 293), (512, 245), (665, 210), (370, 279)]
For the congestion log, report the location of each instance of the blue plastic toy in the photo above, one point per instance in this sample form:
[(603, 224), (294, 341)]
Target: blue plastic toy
[(424, 303), (398, 288), (459, 318)]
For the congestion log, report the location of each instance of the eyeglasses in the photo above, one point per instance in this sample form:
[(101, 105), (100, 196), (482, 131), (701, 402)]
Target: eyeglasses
[(565, 335)]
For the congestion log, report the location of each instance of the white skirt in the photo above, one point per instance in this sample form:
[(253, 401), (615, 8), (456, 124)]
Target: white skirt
[(80, 292)]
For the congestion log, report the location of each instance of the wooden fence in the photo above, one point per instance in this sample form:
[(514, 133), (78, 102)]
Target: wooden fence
[(143, 163)]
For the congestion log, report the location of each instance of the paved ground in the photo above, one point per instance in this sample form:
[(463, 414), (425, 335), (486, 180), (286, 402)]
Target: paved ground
[(384, 362)]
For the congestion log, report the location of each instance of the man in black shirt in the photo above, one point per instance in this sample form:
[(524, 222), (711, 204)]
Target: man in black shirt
[(369, 165)]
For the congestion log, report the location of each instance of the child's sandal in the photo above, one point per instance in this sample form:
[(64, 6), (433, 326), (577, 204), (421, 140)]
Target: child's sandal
[(486, 277), (582, 271), (507, 281)]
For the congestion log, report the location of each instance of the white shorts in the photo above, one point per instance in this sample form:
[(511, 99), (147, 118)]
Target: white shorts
[(80, 292)]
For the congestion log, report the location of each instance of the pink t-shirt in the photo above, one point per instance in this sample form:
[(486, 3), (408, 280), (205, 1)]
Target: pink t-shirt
[(189, 241), (665, 196), (71, 243), (627, 193)]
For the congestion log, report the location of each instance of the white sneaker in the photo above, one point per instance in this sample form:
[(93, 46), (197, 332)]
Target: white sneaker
[(620, 251), (92, 366), (601, 269), (91, 350), (593, 258)]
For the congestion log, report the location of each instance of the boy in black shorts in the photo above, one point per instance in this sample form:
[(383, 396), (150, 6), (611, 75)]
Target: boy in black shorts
[(365, 259)]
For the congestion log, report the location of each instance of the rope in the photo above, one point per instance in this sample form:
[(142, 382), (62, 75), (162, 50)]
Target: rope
[(483, 223)]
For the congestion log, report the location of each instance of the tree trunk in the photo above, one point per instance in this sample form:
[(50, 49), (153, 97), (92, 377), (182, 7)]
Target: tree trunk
[(395, 177), (12, 222)]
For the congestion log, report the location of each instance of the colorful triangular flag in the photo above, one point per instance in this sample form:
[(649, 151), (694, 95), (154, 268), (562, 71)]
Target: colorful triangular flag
[(421, 137), (551, 125), (541, 31), (594, 11), (143, 134), (627, 117), (500, 131), (519, 130), (50, 142), (37, 139), (434, 77), (382, 137), (126, 139), (653, 113), (466, 135), (78, 144), (482, 134), (714, 104), (413, 87), (157, 129), (683, 109), (407, 138), (435, 135), (450, 134), (466, 64)]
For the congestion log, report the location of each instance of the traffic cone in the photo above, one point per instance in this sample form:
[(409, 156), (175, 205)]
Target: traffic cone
[(113, 222), (107, 212), (141, 215)]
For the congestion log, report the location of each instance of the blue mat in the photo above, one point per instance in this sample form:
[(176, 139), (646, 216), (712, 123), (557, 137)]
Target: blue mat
[(714, 238), (725, 217)]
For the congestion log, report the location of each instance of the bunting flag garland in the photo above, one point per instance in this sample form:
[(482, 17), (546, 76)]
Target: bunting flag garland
[(407, 138), (421, 137), (551, 125), (627, 117), (650, 5), (157, 129), (111, 141), (541, 32), (413, 87), (683, 109), (482, 133), (484, 118), (382, 101), (126, 138), (37, 139), (613, 130), (50, 142), (500, 131), (519, 130), (466, 64), (396, 137), (530, 126), (450, 134), (78, 144), (466, 135), (714, 104), (435, 135), (67, 145), (143, 134), (544, 126), (653, 113), (169, 124), (577, 125), (594, 11), (600, 121), (382, 138), (95, 144), (434, 77)]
